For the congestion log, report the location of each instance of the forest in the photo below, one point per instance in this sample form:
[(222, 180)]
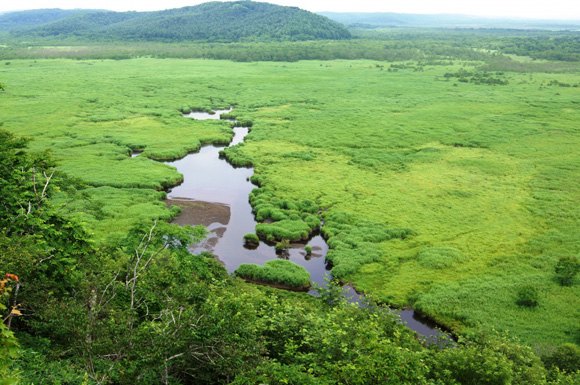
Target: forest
[(209, 22), (440, 166)]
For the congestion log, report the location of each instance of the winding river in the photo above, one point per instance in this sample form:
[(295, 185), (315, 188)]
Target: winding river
[(215, 194)]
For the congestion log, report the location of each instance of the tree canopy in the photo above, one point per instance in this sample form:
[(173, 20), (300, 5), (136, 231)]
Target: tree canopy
[(213, 22)]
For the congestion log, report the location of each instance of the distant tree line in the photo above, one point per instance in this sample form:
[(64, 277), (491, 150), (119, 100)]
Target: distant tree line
[(565, 48), (256, 51), (428, 46)]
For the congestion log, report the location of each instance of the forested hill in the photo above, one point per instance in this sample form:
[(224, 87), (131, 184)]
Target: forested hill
[(212, 22), (24, 19)]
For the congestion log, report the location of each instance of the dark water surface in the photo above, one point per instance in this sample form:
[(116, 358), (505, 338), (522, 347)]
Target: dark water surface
[(208, 178)]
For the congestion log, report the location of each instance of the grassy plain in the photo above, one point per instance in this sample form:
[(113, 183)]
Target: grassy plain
[(437, 193)]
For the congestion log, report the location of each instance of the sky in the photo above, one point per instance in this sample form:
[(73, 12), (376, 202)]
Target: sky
[(554, 9)]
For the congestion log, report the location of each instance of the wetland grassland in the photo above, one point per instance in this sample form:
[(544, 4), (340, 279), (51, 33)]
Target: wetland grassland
[(442, 187)]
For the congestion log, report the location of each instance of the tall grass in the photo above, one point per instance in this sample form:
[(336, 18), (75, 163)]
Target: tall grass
[(278, 272)]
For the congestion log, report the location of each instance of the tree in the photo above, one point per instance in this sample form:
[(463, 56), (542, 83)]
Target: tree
[(565, 357), (41, 247), (566, 269), (8, 343), (40, 242)]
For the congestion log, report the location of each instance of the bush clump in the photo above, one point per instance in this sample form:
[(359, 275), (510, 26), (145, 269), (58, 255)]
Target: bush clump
[(244, 123), (278, 272), (236, 156), (294, 230), (251, 239), (565, 357), (528, 296), (294, 220), (284, 244), (566, 269)]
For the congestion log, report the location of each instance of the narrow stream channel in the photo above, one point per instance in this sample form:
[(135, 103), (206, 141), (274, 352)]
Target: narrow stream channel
[(215, 194)]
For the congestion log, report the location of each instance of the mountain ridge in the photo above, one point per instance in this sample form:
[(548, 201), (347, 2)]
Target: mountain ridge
[(211, 22)]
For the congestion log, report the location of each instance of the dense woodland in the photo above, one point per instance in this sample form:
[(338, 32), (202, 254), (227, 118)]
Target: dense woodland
[(208, 22), (97, 287)]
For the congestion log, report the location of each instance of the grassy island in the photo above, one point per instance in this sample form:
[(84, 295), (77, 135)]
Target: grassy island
[(278, 272)]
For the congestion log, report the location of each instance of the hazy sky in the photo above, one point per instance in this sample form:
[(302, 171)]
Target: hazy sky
[(554, 9)]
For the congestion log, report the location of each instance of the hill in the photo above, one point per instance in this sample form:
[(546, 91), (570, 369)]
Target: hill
[(25, 19), (390, 19), (213, 22)]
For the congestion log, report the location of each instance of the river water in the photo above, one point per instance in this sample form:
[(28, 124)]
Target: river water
[(220, 187)]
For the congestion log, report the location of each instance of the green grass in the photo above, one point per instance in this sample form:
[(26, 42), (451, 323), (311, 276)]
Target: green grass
[(277, 272), (108, 212), (436, 193)]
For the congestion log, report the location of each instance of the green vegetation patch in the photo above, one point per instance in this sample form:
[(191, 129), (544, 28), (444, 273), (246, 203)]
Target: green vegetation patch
[(279, 272), (108, 212), (294, 230), (236, 156), (353, 243), (287, 219), (106, 164), (439, 257)]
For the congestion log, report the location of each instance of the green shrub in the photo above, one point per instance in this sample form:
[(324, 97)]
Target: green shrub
[(487, 359), (284, 244), (284, 229), (566, 269), (527, 295), (272, 372), (243, 123), (278, 272), (565, 357), (308, 250), (175, 211), (251, 239), (236, 156)]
